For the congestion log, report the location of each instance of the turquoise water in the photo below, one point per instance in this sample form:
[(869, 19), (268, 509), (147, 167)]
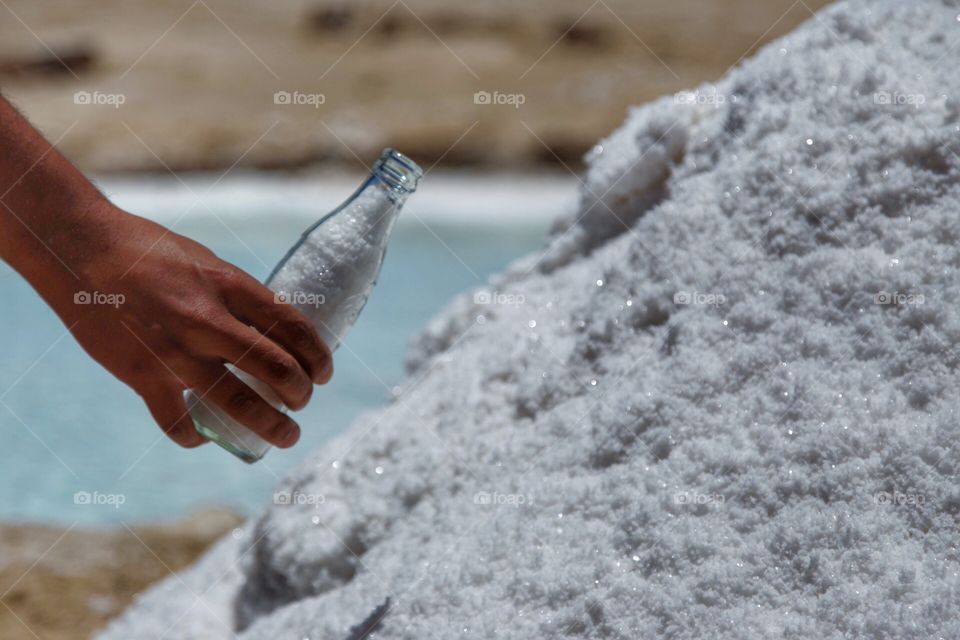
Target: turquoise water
[(68, 426)]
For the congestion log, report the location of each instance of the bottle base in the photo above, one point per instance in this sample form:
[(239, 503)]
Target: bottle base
[(243, 454)]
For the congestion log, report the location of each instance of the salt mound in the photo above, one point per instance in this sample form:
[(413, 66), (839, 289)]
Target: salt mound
[(721, 405)]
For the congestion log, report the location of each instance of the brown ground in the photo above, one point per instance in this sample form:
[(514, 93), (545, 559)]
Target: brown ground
[(199, 76), (63, 588)]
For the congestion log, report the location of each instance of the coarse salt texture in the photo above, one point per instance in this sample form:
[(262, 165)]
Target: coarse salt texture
[(721, 404)]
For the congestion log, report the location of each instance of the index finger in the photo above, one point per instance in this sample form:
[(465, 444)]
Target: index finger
[(258, 306)]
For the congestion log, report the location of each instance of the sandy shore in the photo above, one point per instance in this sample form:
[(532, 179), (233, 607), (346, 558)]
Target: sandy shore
[(62, 584), (192, 85)]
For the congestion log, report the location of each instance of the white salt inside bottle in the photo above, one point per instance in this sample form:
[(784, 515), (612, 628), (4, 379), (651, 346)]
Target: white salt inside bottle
[(328, 275)]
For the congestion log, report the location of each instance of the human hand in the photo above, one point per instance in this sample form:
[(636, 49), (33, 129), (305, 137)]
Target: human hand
[(163, 314)]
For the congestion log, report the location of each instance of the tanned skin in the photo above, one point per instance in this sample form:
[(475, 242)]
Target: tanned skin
[(184, 314)]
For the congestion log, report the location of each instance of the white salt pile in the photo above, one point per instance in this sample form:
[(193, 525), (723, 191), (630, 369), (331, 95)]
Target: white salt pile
[(722, 406)]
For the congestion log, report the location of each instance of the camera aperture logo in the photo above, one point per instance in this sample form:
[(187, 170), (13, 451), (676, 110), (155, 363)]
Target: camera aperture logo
[(899, 99), (486, 498), (697, 498), (514, 100), (298, 498), (299, 298), (485, 296), (896, 498), (99, 298), (703, 98), (99, 99), (699, 298), (299, 98), (97, 499), (898, 298)]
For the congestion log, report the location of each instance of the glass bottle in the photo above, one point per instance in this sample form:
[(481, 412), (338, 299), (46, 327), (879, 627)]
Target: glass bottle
[(328, 275)]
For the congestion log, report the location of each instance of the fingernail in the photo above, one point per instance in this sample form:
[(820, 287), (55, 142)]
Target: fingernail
[(290, 437), (326, 372)]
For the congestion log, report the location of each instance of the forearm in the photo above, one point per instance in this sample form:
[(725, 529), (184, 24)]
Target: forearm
[(178, 313), (49, 212)]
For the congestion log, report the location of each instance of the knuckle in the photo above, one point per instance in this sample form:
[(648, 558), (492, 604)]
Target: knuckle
[(282, 368), (229, 277), (216, 270), (242, 402), (302, 334), (197, 317), (225, 274)]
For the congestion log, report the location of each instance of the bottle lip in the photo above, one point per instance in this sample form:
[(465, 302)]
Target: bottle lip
[(398, 171)]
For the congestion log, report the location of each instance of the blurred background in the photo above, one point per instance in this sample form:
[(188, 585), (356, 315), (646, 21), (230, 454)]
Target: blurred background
[(238, 123), (199, 77)]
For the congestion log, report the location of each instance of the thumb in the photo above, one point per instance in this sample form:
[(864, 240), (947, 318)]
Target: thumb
[(169, 409)]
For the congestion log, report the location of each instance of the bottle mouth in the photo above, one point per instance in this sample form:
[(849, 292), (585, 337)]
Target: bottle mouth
[(398, 171)]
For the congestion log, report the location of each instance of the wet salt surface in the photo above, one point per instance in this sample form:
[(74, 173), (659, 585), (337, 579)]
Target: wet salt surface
[(770, 447)]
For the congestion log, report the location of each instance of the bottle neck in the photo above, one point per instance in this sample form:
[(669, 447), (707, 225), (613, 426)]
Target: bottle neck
[(398, 173), (372, 209), (394, 177), (376, 182)]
